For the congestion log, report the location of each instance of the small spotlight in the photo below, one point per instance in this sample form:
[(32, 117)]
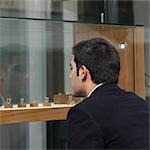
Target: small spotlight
[(123, 45)]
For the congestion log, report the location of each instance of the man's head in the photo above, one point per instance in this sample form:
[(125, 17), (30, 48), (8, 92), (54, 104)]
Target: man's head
[(99, 58)]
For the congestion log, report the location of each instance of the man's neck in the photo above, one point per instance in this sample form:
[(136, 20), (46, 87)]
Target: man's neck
[(91, 88)]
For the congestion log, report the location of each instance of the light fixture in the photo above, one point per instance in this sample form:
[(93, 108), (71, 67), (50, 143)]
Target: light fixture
[(123, 45)]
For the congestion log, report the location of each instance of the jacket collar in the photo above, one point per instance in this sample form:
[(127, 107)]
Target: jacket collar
[(94, 89)]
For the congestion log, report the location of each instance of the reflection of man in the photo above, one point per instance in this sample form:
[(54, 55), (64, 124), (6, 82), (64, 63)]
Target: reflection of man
[(109, 117), (16, 82), (15, 87)]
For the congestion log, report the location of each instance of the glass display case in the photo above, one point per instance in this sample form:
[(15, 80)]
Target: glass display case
[(34, 62)]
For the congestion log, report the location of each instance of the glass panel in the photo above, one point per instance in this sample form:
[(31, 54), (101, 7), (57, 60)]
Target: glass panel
[(23, 65), (34, 63)]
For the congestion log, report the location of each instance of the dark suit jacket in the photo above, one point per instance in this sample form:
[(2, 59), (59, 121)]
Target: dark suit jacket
[(110, 118)]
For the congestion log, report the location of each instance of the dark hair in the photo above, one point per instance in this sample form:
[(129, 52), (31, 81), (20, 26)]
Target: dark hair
[(100, 58)]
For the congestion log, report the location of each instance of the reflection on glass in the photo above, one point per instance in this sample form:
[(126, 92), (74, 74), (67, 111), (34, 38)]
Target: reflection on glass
[(32, 65), (15, 71)]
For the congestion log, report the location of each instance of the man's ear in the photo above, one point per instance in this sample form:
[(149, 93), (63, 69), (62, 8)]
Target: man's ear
[(83, 71)]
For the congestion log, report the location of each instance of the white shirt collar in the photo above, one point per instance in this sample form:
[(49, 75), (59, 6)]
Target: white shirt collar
[(94, 89)]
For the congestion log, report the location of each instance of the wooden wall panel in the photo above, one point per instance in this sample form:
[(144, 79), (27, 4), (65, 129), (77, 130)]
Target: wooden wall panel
[(126, 78), (139, 61)]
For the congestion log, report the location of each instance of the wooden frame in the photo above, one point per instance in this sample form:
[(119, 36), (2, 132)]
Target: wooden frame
[(19, 115)]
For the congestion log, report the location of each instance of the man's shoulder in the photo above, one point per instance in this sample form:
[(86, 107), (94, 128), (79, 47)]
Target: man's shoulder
[(90, 104), (109, 101)]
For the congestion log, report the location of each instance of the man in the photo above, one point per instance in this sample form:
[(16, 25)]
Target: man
[(109, 117)]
